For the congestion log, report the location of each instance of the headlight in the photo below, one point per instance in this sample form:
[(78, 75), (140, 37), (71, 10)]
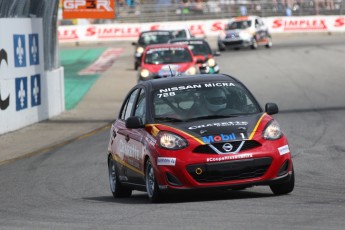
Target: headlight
[(140, 50), (211, 62), (171, 141), (272, 131), (245, 35), (191, 71), (144, 73)]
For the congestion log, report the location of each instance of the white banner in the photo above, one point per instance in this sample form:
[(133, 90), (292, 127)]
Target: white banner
[(131, 31)]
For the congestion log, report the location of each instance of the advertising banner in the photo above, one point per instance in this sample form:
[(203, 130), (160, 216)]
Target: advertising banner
[(206, 28), (88, 9)]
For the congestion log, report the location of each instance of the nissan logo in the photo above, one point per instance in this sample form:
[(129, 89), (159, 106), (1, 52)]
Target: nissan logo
[(227, 147)]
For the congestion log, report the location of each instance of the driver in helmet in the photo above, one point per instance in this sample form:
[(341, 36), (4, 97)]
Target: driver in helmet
[(215, 99)]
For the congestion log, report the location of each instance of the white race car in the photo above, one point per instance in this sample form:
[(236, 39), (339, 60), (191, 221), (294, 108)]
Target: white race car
[(245, 31)]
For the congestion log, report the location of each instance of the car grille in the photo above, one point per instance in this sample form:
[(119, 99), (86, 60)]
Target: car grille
[(230, 43), (233, 35), (228, 171), (213, 148)]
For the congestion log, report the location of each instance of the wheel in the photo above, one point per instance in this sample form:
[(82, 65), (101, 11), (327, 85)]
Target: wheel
[(269, 43), (285, 188), (221, 48), (115, 186), (255, 44), (152, 189)]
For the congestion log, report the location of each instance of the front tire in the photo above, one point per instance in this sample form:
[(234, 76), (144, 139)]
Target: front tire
[(254, 44), (221, 47), (269, 43), (115, 185), (152, 188), (285, 188)]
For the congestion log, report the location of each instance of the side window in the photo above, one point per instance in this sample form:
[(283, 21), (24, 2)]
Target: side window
[(257, 24), (140, 107), (127, 109)]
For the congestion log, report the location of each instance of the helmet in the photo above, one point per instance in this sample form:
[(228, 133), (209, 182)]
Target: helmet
[(215, 99)]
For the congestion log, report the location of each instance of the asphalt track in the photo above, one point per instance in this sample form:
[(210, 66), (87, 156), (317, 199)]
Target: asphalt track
[(67, 187)]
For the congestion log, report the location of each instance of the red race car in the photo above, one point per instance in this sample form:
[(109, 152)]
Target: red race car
[(166, 60), (201, 132)]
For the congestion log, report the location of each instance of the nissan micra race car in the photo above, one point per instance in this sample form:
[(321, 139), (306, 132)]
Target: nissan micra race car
[(166, 60), (200, 132), (245, 31)]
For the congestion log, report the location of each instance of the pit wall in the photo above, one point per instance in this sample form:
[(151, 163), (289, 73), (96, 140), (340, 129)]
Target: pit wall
[(28, 93), (205, 28)]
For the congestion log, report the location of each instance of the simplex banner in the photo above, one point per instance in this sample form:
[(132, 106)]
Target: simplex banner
[(131, 31)]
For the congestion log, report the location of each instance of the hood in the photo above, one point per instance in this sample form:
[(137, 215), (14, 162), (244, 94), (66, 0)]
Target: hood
[(164, 68), (220, 130)]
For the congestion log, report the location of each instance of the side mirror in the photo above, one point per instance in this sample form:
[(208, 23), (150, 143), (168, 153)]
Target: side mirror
[(134, 123), (271, 108)]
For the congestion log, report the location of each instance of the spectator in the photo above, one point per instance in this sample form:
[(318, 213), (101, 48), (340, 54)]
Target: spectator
[(198, 6)]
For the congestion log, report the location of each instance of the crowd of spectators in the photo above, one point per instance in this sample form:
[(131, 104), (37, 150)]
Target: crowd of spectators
[(216, 6), (194, 8)]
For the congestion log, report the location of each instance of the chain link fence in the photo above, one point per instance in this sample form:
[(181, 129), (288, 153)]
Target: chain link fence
[(45, 9)]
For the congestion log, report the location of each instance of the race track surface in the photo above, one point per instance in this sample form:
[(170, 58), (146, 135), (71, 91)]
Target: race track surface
[(67, 187)]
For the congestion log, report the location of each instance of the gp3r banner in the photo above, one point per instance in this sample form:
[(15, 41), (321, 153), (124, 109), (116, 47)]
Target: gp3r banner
[(88, 9)]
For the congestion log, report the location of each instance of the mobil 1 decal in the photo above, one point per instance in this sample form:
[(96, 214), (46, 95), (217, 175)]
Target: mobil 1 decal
[(35, 90), (21, 93), (19, 50), (224, 137), (33, 49)]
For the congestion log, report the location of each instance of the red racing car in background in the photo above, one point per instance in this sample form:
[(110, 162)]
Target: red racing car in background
[(166, 60), (200, 132)]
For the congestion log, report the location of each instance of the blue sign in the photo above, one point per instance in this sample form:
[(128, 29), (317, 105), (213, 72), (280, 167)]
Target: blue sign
[(33, 49), (21, 93), (35, 90), (19, 50)]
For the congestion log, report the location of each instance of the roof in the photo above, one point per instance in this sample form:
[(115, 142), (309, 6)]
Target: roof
[(187, 39), (184, 80), (244, 18), (154, 31), (164, 45)]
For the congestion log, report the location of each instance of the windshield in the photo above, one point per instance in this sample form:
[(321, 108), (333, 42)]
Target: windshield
[(202, 101), (239, 25), (197, 47), (168, 55), (155, 37)]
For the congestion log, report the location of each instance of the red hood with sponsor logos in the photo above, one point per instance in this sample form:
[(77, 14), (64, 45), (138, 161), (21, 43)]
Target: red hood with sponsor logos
[(179, 67), (221, 130)]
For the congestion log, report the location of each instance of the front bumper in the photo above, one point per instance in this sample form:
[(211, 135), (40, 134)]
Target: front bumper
[(260, 169), (234, 43), (205, 69)]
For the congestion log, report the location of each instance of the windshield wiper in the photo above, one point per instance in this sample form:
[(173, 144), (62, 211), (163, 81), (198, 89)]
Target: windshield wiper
[(169, 119)]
